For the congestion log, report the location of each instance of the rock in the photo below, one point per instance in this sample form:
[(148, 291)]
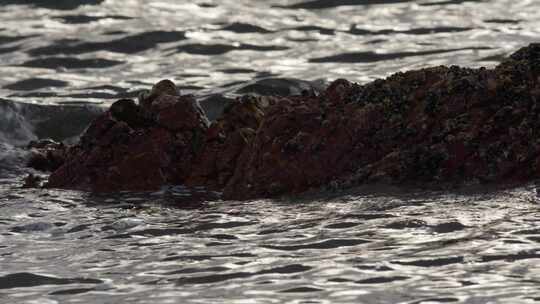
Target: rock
[(32, 181), (436, 125), (46, 143), (46, 155), (133, 148), (163, 87), (447, 125), (225, 139), (127, 111), (179, 113)]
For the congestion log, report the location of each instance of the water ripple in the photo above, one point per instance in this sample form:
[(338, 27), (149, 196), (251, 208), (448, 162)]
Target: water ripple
[(63, 60), (23, 279), (362, 57), (128, 45)]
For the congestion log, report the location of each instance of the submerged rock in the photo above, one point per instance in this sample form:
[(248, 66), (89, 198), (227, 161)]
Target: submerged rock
[(46, 155), (434, 125), (32, 181)]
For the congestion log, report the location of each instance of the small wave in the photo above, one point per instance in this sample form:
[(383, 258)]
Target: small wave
[(8, 49), (11, 158), (436, 300), (512, 257), (57, 5), (242, 28), (381, 280), (325, 4), (341, 225), (313, 28), (237, 71), (215, 278), (448, 227), (127, 45), (70, 63), (280, 86), (449, 2), (35, 84), (26, 279), (33, 227), (283, 270), (367, 57), (327, 244), (219, 49), (302, 289), (14, 128), (73, 291), (503, 21), (22, 122), (407, 224), (10, 39), (81, 19), (414, 31), (437, 262)]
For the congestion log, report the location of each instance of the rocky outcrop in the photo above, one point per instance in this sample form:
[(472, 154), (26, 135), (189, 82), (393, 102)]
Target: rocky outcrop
[(133, 147), (46, 154), (440, 124), (224, 142)]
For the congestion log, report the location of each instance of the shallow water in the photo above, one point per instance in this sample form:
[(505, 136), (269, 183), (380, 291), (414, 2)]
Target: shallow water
[(372, 246), (62, 60)]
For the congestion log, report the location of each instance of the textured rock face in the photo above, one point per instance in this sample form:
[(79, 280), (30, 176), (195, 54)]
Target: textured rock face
[(46, 155), (441, 124), (132, 148), (225, 140)]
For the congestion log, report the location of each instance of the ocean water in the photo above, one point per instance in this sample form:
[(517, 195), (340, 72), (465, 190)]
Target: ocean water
[(62, 62)]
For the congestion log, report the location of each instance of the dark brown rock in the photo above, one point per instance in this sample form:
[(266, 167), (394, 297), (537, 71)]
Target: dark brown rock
[(225, 139), (429, 126), (163, 87), (179, 113), (434, 125), (46, 155), (115, 155), (127, 111), (32, 181)]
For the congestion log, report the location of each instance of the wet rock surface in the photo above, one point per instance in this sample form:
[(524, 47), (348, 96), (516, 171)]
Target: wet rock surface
[(46, 154), (134, 147), (434, 125)]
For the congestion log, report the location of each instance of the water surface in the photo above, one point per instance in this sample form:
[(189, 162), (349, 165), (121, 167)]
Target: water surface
[(62, 61)]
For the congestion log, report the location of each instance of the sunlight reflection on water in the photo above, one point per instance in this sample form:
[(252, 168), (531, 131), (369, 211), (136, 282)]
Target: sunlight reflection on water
[(373, 245)]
